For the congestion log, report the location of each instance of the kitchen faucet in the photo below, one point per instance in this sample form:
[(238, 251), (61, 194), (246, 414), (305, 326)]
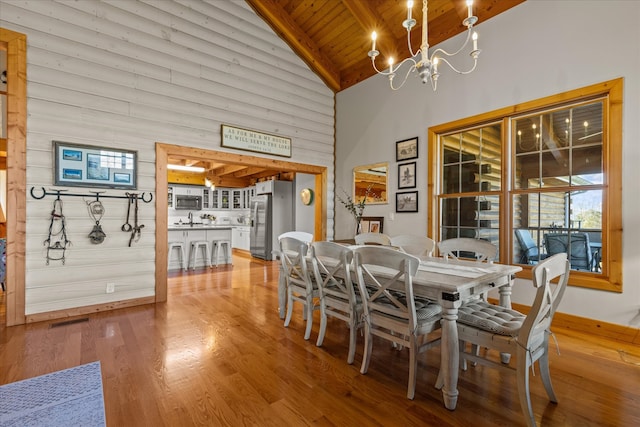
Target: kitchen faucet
[(190, 217)]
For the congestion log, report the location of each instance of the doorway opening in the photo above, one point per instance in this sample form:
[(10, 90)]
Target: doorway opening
[(166, 151)]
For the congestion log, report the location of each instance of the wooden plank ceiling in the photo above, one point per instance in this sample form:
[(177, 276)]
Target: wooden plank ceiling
[(334, 36)]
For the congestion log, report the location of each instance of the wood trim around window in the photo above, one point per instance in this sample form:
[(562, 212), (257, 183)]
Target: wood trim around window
[(611, 279)]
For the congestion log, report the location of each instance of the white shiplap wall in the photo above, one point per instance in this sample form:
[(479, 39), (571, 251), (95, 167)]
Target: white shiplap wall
[(126, 74)]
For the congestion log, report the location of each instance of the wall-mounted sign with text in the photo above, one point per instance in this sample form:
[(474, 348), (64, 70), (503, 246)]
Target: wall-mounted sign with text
[(249, 140)]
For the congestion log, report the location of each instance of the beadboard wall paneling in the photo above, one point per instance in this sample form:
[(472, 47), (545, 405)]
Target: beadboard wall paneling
[(127, 74)]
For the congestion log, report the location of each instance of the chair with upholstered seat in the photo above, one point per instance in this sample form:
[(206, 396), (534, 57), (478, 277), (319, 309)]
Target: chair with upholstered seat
[(526, 337), (332, 271), (385, 280), (299, 283), (414, 244), (464, 247), (373, 238)]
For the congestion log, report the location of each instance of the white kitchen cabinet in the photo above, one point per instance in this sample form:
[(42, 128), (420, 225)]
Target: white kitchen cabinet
[(225, 198), (237, 199), (247, 194), (187, 190), (240, 238), (229, 198)]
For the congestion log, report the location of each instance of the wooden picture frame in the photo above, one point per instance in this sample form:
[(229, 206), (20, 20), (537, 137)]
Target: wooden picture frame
[(407, 175), (407, 149), (372, 224), (94, 166), (407, 201)]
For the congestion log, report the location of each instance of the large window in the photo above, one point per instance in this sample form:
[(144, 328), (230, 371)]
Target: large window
[(544, 180)]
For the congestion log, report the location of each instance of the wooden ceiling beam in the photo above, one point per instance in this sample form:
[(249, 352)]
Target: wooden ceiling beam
[(248, 172), (228, 181), (282, 23), (229, 169)]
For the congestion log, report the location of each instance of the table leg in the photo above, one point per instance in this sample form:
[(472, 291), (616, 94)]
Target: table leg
[(505, 294), (282, 292), (450, 357)]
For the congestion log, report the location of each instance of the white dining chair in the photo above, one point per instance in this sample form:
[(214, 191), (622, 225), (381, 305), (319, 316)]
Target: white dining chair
[(526, 337), (385, 280), (373, 238), (332, 271), (300, 235), (414, 244), (481, 250), (300, 285)]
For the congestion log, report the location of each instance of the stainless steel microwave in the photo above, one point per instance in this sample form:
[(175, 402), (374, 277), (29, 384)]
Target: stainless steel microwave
[(185, 202)]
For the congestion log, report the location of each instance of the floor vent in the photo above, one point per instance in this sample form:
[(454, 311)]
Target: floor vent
[(68, 322)]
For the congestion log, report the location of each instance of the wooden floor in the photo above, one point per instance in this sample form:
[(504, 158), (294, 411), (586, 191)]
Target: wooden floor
[(216, 354)]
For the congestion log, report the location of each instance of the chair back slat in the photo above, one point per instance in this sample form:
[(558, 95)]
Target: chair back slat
[(414, 244), (463, 247), (385, 280), (332, 270)]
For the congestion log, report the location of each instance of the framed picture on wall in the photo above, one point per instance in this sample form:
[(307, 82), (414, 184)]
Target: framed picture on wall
[(407, 149), (407, 175), (372, 224), (93, 166), (407, 201)]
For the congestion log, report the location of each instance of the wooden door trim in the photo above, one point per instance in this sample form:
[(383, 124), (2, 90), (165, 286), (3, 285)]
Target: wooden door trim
[(16, 46), (163, 151)]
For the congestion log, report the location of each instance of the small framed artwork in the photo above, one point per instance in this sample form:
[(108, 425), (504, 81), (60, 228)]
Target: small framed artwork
[(75, 155), (407, 175), (407, 201), (74, 174), (93, 166), (124, 178), (372, 224), (407, 149)]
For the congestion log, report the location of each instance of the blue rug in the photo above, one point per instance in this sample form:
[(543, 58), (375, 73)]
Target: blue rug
[(72, 397)]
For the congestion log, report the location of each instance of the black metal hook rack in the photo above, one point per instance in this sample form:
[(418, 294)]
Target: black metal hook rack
[(97, 194)]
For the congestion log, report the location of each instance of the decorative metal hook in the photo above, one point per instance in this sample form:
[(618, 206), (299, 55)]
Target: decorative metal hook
[(44, 193)]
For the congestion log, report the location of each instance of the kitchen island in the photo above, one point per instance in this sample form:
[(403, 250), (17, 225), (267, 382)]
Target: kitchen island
[(187, 233)]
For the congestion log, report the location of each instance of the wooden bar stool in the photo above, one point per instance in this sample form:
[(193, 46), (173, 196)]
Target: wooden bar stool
[(225, 245), (180, 247), (193, 253)]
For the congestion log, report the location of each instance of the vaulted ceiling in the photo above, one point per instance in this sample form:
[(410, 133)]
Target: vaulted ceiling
[(334, 36)]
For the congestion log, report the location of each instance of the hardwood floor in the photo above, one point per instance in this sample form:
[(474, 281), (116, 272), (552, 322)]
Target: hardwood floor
[(217, 354)]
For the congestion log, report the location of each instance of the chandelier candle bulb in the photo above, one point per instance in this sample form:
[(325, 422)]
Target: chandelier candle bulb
[(409, 6), (374, 36), (475, 40), (470, 12)]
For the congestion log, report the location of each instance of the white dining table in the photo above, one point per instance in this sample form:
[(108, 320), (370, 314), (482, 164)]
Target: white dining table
[(449, 282)]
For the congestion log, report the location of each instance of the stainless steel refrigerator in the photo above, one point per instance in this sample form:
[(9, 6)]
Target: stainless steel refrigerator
[(271, 215)]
